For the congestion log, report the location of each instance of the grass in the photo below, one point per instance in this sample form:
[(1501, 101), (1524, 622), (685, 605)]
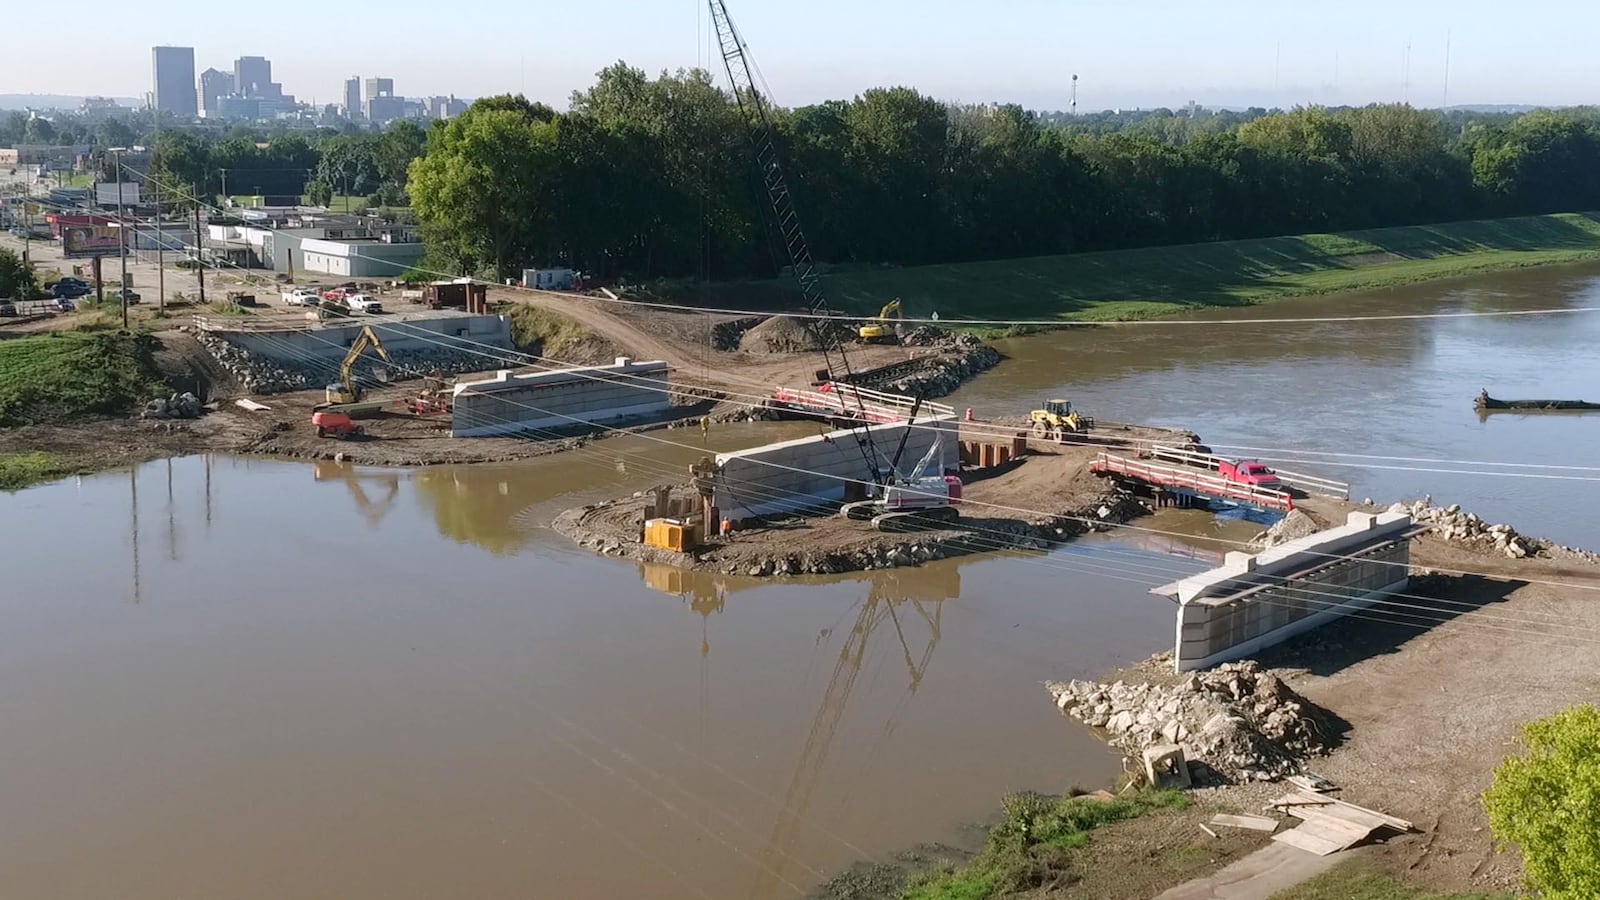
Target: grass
[(19, 470), (1356, 880), (72, 375), (1033, 845), (1160, 281), (541, 332)]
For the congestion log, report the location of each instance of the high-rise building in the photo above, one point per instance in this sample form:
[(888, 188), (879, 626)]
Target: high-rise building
[(214, 85), (174, 81), (352, 97), (381, 104), (252, 77)]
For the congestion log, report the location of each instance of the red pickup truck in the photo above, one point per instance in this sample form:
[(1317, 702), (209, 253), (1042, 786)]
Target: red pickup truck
[(1250, 471)]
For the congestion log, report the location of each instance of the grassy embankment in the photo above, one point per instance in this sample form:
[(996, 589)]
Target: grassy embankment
[(65, 377), (1034, 845), (541, 332), (1160, 281), (1355, 880)]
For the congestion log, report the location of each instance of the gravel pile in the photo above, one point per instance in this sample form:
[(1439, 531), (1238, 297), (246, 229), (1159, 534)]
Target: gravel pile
[(177, 406), (1239, 720), (270, 375), (779, 334), (1451, 524)]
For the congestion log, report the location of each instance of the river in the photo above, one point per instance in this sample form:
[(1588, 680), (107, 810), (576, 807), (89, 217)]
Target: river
[(1380, 388), (246, 678)]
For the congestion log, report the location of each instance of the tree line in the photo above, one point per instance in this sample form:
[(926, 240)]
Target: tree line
[(653, 177)]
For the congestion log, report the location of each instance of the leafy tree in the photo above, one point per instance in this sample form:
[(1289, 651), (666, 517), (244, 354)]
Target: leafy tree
[(482, 191), (39, 131), (318, 193), (1548, 802), (115, 133), (17, 279)]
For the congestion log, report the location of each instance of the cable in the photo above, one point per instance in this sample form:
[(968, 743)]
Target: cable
[(1037, 512), (1011, 323), (1006, 431)]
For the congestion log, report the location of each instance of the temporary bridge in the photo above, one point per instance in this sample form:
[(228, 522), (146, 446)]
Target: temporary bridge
[(1191, 482), (835, 400)]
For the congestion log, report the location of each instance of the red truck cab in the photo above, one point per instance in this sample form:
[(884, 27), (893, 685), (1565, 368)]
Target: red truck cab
[(1250, 471)]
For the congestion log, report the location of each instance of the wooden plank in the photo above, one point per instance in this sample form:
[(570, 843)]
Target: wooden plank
[(1313, 785), (1208, 831), (1305, 798), (1359, 819), (251, 405), (1336, 829), (1311, 843), (1254, 823), (1394, 822)]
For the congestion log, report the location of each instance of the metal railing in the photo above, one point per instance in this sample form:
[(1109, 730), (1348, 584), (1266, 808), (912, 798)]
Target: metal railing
[(847, 400), (1189, 478), (1311, 484)]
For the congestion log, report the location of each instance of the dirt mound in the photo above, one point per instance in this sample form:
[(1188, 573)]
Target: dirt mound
[(780, 334), (1238, 719)]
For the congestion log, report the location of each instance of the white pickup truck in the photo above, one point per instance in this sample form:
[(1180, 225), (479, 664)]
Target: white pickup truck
[(362, 303), (300, 297)]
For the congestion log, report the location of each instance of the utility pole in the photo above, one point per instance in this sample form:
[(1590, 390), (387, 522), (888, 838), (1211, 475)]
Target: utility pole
[(1445, 103), (199, 254), (122, 240)]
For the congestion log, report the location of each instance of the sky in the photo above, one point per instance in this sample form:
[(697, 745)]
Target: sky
[(1127, 53)]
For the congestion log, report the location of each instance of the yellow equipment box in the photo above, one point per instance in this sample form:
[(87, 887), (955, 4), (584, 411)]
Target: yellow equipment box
[(670, 534)]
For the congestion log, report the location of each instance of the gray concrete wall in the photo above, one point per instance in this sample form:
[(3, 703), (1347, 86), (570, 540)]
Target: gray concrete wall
[(790, 475), (1254, 602), (399, 334), (512, 403)]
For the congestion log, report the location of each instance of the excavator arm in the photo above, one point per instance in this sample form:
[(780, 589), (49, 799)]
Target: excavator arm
[(366, 340)]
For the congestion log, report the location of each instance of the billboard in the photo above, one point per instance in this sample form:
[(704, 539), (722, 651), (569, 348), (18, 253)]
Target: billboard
[(90, 240), (106, 194)]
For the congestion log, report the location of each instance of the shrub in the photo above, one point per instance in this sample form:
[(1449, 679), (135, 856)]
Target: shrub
[(1547, 801)]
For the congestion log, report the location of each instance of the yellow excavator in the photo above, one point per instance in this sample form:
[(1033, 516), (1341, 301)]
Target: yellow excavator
[(880, 331), (346, 390)]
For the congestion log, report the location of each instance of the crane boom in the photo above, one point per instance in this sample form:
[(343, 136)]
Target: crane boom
[(736, 60)]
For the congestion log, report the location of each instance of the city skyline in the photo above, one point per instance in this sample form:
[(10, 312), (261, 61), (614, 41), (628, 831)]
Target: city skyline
[(1162, 54)]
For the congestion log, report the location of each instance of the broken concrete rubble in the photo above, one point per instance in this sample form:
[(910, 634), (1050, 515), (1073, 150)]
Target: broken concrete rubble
[(1240, 721)]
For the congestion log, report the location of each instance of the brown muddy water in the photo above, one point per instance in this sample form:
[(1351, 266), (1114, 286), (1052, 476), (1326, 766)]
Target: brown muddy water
[(238, 678), (1290, 392)]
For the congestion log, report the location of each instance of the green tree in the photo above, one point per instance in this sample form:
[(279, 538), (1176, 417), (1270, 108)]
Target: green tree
[(17, 279), (1547, 801), (482, 192), (115, 133), (394, 153), (318, 193)]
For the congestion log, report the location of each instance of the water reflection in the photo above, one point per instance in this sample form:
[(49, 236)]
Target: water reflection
[(373, 511)]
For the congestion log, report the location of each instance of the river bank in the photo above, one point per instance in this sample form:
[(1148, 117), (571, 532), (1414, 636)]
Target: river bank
[(1153, 282), (1406, 709)]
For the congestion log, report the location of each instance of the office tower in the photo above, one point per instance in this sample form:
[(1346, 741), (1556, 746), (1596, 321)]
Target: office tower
[(174, 81), (214, 85)]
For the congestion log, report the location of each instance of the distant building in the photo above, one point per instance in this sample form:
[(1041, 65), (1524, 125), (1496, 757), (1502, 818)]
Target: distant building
[(214, 85), (98, 109), (234, 106), (252, 77), (443, 107), (380, 87), (174, 81), (352, 98)]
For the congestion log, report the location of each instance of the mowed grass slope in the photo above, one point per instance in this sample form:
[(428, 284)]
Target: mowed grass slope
[(1158, 281), (60, 377)]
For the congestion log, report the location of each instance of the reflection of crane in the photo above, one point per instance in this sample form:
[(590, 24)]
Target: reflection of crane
[(879, 331), (346, 391), (886, 593), (327, 470)]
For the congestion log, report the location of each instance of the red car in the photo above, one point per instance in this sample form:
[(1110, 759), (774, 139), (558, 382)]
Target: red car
[(1251, 472)]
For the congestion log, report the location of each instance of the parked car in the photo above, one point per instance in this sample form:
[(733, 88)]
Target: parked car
[(128, 295), (1250, 471), (363, 303), (68, 288), (300, 297), (7, 309)]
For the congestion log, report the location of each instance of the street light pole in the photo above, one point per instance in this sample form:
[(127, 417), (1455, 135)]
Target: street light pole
[(122, 239)]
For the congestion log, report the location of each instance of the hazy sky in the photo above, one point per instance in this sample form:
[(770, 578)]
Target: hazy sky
[(1126, 52)]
